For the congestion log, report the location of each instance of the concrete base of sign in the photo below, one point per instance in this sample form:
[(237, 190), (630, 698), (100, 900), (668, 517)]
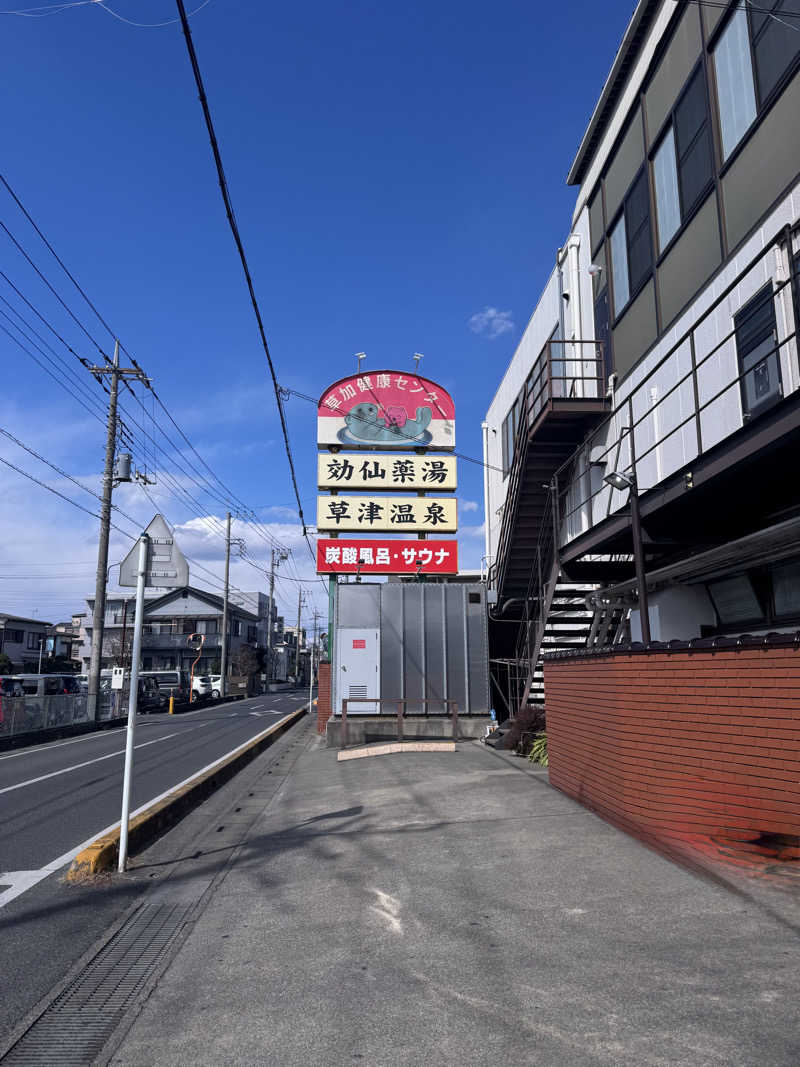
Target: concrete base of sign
[(361, 729), (398, 746)]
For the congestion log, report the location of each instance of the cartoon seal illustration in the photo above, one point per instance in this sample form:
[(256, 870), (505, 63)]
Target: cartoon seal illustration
[(363, 423)]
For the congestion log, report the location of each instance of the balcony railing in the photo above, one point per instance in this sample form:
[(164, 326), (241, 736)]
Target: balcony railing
[(176, 641), (691, 398), (564, 371)]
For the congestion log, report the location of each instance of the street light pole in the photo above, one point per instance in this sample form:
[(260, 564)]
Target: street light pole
[(638, 559), (223, 664), (274, 562)]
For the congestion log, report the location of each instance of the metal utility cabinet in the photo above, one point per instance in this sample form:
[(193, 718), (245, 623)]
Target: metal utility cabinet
[(412, 641)]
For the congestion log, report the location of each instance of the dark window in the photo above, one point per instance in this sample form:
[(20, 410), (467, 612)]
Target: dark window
[(735, 600), (602, 331), (33, 640), (786, 589), (252, 633), (693, 143), (509, 432), (637, 228), (504, 442), (16, 637), (630, 245), (757, 349), (776, 44)]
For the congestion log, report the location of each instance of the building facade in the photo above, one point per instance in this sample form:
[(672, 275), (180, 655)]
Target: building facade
[(21, 640), (170, 618), (663, 349)]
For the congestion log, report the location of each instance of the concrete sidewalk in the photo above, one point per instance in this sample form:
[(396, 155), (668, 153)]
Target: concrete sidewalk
[(453, 909)]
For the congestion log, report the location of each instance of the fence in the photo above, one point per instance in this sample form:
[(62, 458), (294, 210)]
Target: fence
[(33, 714)]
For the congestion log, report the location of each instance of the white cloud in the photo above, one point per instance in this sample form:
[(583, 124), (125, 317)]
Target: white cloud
[(491, 322), (468, 505)]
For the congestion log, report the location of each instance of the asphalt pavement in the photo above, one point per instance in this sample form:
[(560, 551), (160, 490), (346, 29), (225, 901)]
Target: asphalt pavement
[(56, 797), (454, 909)]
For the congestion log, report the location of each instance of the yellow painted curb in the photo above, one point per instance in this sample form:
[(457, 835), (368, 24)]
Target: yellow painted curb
[(102, 854), (396, 746)]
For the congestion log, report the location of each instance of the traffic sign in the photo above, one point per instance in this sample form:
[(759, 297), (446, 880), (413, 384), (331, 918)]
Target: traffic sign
[(166, 564)]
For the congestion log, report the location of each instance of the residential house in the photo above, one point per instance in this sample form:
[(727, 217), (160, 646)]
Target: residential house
[(21, 639), (170, 619)]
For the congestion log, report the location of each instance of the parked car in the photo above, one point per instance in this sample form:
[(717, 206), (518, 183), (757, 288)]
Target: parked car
[(171, 683), (216, 685), (48, 685), (151, 697), (201, 686), (10, 687)]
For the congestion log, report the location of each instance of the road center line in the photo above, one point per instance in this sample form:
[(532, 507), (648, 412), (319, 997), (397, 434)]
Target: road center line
[(88, 762)]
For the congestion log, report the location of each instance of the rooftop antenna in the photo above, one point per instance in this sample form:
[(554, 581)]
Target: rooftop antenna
[(359, 357), (417, 357)]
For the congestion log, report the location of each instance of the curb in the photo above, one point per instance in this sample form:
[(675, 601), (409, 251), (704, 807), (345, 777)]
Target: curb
[(396, 746), (103, 853)]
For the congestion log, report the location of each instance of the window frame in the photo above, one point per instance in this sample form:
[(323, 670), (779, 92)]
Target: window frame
[(763, 107), (621, 213), (686, 215), (774, 354)]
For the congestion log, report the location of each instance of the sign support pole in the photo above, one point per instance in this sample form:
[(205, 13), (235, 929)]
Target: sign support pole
[(133, 700)]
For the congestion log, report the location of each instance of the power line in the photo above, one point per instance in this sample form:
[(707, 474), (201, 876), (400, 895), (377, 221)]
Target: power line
[(229, 499), (55, 492), (223, 185)]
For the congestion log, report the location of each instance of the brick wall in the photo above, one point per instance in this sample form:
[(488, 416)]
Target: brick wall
[(699, 748), (323, 696)]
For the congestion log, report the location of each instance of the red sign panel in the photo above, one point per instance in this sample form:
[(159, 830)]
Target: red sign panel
[(359, 642), (386, 409), (353, 555)]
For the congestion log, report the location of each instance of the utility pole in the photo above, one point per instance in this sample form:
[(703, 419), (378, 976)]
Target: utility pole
[(311, 664), (273, 564), (223, 664), (297, 635), (115, 372)]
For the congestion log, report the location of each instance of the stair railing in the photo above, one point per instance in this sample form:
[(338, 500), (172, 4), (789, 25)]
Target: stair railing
[(539, 599)]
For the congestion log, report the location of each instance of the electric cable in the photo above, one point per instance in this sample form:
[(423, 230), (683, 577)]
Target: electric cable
[(223, 184)]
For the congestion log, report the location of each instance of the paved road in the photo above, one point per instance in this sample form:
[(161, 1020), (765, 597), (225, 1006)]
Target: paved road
[(55, 797)]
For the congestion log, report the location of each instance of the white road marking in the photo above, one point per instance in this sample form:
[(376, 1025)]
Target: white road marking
[(47, 748), (88, 762), (21, 881)]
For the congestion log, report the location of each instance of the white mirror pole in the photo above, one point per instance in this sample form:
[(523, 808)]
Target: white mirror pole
[(133, 700)]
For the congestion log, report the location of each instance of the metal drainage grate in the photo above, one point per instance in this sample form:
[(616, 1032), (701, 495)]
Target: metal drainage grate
[(74, 1028)]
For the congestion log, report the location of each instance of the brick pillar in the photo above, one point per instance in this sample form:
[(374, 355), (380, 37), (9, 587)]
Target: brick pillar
[(323, 695)]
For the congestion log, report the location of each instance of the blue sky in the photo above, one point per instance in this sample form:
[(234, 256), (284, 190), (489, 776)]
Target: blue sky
[(396, 171)]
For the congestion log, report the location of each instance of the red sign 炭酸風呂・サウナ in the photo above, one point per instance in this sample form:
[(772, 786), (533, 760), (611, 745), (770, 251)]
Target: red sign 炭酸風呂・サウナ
[(351, 556)]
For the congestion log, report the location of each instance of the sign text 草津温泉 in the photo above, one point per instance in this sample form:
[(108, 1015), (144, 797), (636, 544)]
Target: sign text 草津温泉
[(400, 514), (386, 410), (351, 556), (381, 472)]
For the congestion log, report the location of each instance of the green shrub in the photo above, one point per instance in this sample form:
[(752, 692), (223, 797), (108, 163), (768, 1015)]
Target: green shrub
[(538, 753)]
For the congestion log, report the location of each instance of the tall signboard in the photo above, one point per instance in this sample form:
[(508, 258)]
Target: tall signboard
[(386, 410), (383, 469)]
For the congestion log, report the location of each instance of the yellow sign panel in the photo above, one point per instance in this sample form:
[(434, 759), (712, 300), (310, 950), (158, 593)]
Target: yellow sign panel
[(380, 472), (398, 514)]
